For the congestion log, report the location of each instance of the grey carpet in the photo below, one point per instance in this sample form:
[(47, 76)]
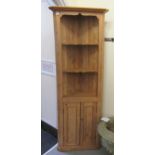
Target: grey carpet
[(101, 151), (47, 141)]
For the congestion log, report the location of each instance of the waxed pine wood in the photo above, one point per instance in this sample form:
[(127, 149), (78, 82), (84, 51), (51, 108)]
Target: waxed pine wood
[(72, 123), (79, 58), (79, 30)]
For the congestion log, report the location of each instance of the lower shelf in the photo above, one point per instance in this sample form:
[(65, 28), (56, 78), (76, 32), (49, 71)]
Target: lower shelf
[(80, 85), (81, 94)]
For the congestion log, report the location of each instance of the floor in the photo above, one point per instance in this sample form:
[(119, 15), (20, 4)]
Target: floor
[(49, 147), (47, 141), (101, 151)]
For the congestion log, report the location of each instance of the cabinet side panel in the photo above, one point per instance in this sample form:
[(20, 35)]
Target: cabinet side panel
[(59, 76), (100, 71), (100, 64)]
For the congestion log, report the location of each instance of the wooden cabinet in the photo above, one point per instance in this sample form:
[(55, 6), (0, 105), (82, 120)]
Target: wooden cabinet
[(79, 59)]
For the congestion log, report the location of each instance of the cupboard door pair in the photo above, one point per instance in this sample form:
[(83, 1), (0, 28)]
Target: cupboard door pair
[(79, 124)]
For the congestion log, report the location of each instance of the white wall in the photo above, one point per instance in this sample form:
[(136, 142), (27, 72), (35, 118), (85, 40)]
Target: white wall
[(108, 89), (48, 83), (49, 104)]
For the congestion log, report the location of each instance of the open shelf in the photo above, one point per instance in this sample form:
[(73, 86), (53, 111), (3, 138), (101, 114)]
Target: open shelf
[(79, 29), (80, 59), (80, 85)]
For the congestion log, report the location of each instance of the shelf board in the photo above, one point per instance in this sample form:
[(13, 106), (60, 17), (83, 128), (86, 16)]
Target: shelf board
[(80, 71), (80, 44), (81, 94), (80, 99), (78, 9)]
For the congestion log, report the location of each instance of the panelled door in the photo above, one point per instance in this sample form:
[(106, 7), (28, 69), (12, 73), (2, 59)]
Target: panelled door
[(79, 124), (72, 124), (88, 126)]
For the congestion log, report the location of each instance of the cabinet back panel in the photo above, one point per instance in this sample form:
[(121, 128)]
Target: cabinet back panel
[(79, 29), (75, 84), (80, 58)]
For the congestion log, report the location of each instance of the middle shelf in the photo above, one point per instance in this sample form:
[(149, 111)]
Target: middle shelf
[(80, 71), (79, 58)]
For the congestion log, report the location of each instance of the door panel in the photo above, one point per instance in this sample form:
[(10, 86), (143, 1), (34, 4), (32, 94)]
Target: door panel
[(72, 123), (88, 123)]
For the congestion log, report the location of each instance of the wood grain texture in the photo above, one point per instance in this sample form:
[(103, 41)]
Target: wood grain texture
[(82, 85), (72, 124), (79, 30), (59, 78), (79, 56), (78, 9), (88, 121)]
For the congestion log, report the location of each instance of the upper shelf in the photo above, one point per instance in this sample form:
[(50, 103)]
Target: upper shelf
[(79, 30), (78, 9)]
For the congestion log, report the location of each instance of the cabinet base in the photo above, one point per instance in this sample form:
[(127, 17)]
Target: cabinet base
[(71, 148)]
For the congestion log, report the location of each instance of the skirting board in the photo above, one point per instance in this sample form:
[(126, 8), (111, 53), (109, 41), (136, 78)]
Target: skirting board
[(50, 129)]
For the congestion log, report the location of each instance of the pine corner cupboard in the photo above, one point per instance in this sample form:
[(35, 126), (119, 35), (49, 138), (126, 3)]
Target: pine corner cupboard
[(79, 58)]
